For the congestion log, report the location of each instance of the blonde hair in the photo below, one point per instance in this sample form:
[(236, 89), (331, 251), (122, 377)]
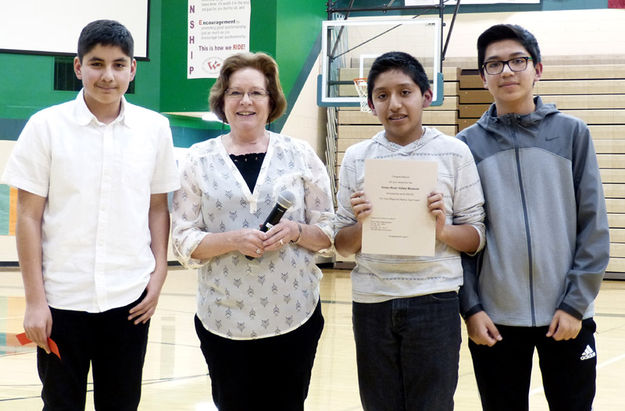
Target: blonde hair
[(259, 61)]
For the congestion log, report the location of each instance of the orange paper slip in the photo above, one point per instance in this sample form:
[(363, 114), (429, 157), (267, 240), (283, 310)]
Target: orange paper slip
[(53, 347)]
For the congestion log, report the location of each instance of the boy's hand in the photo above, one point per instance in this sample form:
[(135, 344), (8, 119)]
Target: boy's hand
[(564, 326), (482, 330), (360, 206), (38, 324), (143, 311), (437, 208)]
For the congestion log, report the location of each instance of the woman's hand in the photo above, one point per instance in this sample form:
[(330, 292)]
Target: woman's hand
[(280, 235), (250, 242)]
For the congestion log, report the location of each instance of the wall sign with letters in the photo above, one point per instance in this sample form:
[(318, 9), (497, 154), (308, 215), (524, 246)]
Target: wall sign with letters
[(217, 29)]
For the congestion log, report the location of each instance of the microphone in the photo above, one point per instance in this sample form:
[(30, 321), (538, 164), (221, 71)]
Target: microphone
[(285, 200)]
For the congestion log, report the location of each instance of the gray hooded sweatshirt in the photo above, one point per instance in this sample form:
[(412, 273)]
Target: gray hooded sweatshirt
[(547, 234)]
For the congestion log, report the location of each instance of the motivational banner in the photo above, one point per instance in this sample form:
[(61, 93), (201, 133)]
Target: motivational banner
[(217, 30)]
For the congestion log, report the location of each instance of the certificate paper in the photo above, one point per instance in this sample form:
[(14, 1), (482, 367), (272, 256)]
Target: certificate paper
[(400, 223)]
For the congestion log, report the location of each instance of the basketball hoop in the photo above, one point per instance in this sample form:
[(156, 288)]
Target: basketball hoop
[(361, 88)]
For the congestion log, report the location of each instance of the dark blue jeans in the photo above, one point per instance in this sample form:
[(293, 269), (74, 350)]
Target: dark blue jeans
[(407, 351), (568, 368)]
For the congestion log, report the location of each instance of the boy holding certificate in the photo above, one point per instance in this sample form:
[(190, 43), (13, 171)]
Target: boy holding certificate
[(405, 308), (548, 245)]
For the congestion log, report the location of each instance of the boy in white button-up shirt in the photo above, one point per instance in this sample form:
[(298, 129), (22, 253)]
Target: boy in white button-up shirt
[(93, 176)]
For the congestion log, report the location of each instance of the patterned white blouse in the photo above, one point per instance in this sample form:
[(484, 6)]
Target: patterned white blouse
[(277, 292)]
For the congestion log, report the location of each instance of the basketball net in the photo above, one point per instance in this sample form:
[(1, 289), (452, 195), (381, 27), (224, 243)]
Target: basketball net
[(361, 88)]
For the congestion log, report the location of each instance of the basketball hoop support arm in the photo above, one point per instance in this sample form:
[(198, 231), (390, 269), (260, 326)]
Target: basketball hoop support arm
[(441, 8)]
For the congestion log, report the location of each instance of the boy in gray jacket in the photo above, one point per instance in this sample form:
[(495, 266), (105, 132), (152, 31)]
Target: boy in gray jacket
[(547, 237)]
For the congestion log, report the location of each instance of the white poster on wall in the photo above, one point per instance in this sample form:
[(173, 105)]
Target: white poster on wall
[(217, 29), (448, 2), (53, 27)]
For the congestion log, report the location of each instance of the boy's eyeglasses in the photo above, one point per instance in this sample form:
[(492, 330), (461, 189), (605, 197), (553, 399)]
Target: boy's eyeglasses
[(497, 66), (236, 94)]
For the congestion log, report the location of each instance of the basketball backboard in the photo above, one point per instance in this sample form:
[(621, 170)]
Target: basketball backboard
[(349, 47)]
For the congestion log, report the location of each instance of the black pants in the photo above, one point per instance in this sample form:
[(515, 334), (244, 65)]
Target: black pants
[(568, 369), (265, 374), (114, 346)]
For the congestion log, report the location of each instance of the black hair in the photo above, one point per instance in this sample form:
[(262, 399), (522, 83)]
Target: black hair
[(106, 33), (400, 61), (500, 32)]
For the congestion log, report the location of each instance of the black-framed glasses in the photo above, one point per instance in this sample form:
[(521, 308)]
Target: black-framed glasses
[(515, 64), (254, 94)]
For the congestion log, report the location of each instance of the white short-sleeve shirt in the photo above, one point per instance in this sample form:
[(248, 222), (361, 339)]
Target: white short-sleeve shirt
[(98, 179)]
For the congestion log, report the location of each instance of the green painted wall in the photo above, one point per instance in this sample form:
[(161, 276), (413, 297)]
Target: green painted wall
[(176, 92), (285, 29), (181, 94), (298, 29), (27, 85)]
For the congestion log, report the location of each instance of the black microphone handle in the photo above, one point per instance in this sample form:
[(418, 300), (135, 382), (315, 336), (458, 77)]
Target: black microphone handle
[(273, 219)]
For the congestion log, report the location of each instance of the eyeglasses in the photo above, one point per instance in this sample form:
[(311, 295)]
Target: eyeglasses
[(237, 94), (515, 64)]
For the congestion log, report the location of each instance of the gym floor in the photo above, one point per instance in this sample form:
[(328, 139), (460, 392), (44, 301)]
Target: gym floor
[(175, 374)]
